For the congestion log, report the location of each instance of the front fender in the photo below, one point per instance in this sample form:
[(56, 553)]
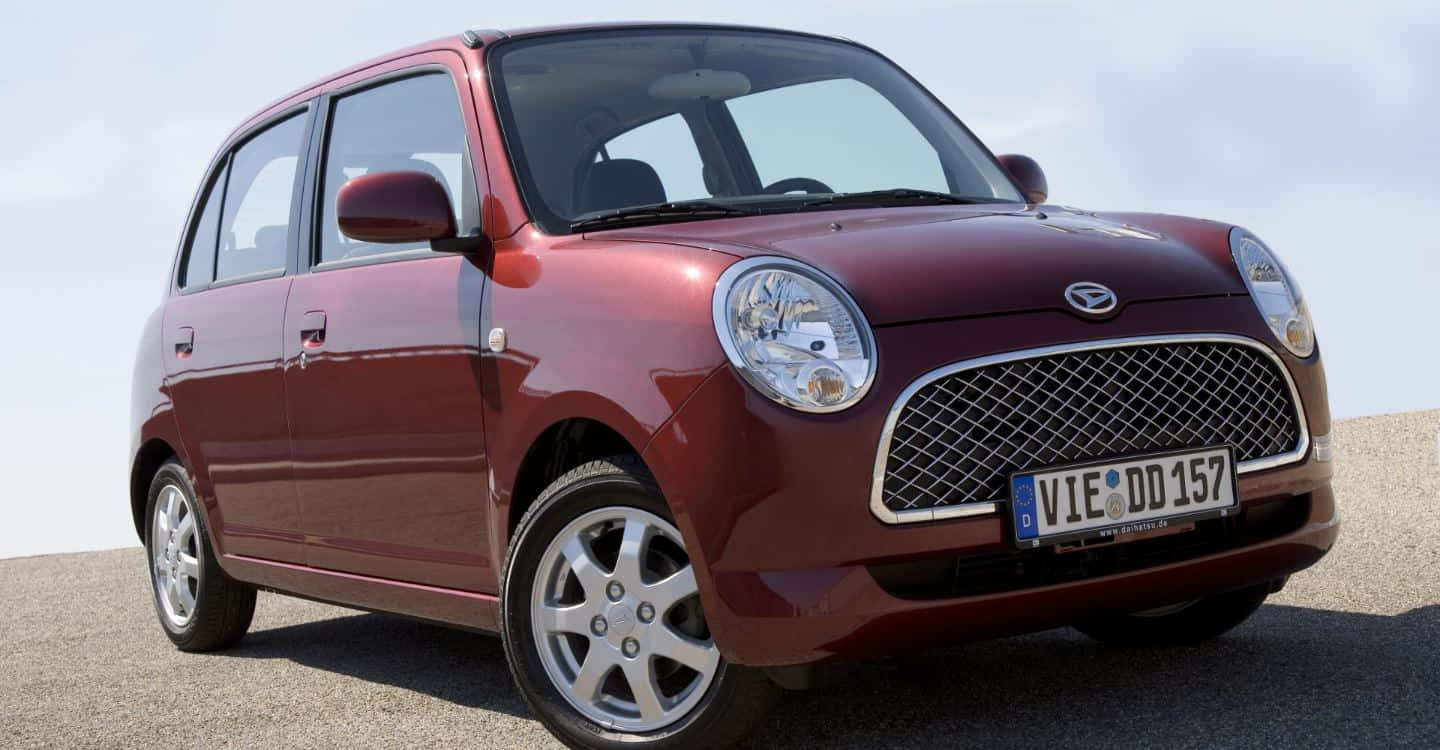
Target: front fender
[(612, 331)]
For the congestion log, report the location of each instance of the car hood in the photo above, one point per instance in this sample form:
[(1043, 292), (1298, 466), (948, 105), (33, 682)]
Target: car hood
[(923, 263)]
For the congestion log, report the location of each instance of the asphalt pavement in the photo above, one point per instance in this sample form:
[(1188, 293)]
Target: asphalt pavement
[(1348, 655)]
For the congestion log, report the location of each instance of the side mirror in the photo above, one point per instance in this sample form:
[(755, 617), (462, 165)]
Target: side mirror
[(1028, 174), (398, 207), (394, 207)]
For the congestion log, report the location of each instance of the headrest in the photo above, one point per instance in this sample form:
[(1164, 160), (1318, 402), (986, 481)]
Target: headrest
[(272, 238), (617, 183)]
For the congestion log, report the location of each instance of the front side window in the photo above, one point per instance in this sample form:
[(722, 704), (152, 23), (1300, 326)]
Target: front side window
[(599, 122), (255, 224), (410, 125), (840, 133)]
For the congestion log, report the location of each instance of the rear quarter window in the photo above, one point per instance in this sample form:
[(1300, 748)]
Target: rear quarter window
[(197, 266)]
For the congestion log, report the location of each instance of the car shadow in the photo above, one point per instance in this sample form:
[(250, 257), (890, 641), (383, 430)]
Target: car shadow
[(458, 666), (1289, 676)]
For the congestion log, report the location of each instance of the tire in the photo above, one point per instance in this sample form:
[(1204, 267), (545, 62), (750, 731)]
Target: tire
[(1182, 625), (603, 502), (214, 610)]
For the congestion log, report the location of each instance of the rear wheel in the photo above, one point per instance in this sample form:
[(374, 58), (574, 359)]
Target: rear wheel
[(200, 608), (603, 626), (1181, 624)]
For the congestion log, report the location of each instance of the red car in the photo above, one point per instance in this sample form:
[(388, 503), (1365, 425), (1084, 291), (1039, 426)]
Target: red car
[(692, 358)]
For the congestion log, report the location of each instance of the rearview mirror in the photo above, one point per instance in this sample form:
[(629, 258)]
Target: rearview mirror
[(1028, 174), (701, 83), (398, 207)]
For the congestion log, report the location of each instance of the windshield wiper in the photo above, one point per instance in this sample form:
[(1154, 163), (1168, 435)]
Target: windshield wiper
[(894, 197), (661, 212)]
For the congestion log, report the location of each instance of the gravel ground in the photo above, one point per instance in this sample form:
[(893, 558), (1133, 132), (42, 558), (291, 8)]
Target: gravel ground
[(1347, 655)]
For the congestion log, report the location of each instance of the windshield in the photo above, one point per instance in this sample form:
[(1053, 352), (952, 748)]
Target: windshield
[(607, 123)]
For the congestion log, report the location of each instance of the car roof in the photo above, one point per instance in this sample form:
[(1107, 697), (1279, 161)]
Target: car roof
[(530, 31), (478, 38), (474, 38)]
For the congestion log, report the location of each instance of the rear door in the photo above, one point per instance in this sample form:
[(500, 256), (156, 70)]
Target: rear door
[(382, 368), (223, 353)]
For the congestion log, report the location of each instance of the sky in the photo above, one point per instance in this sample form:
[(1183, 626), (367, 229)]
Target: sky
[(1318, 129)]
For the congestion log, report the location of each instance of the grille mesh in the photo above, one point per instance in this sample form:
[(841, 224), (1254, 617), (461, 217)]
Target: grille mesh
[(959, 438)]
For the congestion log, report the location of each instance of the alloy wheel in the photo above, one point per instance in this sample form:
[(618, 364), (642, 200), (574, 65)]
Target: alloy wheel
[(616, 620), (175, 549)]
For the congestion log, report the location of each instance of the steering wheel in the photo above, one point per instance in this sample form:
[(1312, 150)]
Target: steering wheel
[(792, 184)]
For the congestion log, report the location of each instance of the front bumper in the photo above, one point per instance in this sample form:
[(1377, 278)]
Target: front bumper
[(774, 504)]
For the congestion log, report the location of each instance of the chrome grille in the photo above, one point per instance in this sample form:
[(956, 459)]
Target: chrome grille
[(961, 434)]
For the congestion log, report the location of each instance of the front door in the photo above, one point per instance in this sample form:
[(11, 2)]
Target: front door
[(223, 345), (382, 357)]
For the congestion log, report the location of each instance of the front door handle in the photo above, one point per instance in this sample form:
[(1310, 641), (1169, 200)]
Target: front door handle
[(312, 330), (184, 342)]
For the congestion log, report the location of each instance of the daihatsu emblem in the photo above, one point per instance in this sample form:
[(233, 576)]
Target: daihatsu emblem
[(1090, 298)]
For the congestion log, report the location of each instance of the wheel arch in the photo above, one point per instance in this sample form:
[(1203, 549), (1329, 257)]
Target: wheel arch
[(148, 459), (563, 445)]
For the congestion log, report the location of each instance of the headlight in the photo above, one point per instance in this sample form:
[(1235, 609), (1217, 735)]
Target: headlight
[(794, 334), (1274, 292)]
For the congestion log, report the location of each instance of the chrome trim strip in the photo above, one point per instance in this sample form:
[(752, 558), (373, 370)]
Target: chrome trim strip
[(882, 455)]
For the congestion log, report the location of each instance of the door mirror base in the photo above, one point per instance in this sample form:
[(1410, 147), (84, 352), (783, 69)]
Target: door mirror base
[(464, 244)]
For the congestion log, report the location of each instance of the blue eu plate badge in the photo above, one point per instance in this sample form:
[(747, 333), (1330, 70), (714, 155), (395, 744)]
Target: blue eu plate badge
[(1023, 492)]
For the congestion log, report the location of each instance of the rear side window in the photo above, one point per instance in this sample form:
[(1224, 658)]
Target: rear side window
[(255, 223), (197, 269), (410, 125)]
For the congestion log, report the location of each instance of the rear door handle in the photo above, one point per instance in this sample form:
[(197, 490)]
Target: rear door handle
[(184, 342), (312, 329)]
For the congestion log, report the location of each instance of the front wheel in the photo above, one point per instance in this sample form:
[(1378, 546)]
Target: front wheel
[(1181, 624), (602, 621)]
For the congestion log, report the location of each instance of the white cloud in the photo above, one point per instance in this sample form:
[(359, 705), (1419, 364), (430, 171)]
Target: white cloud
[(59, 169)]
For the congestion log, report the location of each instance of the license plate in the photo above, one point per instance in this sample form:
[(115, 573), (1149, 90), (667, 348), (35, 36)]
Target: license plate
[(1121, 496)]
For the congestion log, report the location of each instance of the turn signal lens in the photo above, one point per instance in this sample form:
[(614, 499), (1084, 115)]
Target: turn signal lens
[(826, 385)]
